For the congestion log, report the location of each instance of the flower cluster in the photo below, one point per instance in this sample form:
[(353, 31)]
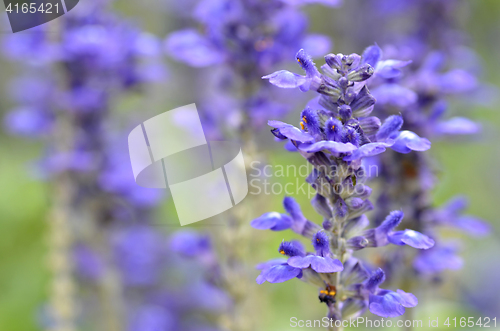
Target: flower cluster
[(336, 134)]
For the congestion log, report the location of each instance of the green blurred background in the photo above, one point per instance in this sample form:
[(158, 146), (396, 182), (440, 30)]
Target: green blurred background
[(471, 168)]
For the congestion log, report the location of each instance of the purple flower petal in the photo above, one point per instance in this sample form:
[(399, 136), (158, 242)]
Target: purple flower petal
[(376, 278), (278, 274), (270, 263), (28, 121), (277, 124), (192, 48), (329, 3), (390, 68), (326, 264), (317, 44), (289, 146), (394, 94), (408, 141), (386, 305), (291, 132), (317, 263), (457, 81), (366, 150), (472, 226), (273, 221), (457, 125), (285, 79), (391, 304), (371, 55), (332, 146), (411, 238), (408, 300), (391, 125), (438, 259), (190, 243)]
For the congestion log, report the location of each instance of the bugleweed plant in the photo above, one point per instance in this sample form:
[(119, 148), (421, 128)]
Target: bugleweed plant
[(336, 134)]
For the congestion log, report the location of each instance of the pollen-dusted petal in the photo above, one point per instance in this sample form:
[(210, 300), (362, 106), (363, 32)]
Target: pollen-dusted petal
[(321, 243), (293, 133), (333, 128), (306, 63), (292, 248)]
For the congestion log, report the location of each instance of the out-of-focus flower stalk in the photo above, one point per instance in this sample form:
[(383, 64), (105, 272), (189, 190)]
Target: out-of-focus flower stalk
[(61, 237), (70, 206), (62, 295)]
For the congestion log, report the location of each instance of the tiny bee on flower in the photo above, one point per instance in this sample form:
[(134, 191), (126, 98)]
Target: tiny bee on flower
[(328, 294)]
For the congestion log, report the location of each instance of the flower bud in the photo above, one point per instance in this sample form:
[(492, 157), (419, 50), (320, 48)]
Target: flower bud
[(357, 243), (334, 61), (330, 72), (321, 206), (345, 112), (360, 74), (331, 91), (343, 83), (362, 103)]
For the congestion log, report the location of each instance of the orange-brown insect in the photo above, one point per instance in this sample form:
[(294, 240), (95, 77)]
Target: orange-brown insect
[(328, 294)]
